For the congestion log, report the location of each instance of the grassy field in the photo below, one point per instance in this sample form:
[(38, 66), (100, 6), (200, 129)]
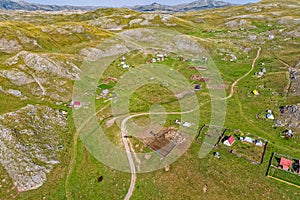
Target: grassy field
[(229, 177), (285, 176)]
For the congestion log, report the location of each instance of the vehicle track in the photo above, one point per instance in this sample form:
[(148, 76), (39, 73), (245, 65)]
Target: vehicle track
[(245, 75)]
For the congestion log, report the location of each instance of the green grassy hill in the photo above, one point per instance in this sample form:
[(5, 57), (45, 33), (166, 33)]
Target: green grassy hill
[(41, 55)]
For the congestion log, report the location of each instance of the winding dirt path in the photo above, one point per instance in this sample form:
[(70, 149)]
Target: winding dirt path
[(127, 148), (245, 75), (128, 151)]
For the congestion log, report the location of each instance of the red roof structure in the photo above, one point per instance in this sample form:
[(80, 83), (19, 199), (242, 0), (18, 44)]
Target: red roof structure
[(77, 103), (231, 140), (285, 163)]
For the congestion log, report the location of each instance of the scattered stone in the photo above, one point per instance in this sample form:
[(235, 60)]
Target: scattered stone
[(204, 188), (295, 82), (289, 117), (46, 63), (135, 21), (167, 168), (44, 74), (16, 76), (26, 41), (93, 54), (128, 16), (28, 138), (271, 37), (108, 23), (236, 23), (16, 93), (9, 46), (233, 57)]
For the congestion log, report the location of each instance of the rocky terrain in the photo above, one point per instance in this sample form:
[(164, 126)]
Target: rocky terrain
[(30, 143), (23, 5), (41, 56), (193, 6), (289, 117), (295, 81), (42, 75)]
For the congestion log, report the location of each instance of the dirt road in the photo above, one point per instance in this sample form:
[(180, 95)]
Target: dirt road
[(245, 75), (129, 153)]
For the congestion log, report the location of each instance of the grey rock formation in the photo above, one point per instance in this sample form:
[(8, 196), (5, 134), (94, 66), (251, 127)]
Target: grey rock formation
[(289, 117), (9, 46), (22, 5), (43, 74), (28, 144), (193, 6)]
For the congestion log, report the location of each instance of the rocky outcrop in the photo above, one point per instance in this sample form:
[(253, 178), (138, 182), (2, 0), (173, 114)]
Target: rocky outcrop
[(135, 21), (289, 117), (9, 46), (236, 23), (47, 75), (295, 82), (13, 92), (193, 6), (16, 76), (93, 54), (22, 5), (45, 63), (29, 141), (108, 23)]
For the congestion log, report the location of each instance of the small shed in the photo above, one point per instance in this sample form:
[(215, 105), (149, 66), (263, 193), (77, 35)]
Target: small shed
[(270, 116), (248, 139), (177, 121), (197, 87), (259, 143), (288, 133), (255, 92), (260, 73), (105, 92), (229, 141), (125, 66), (216, 154), (75, 104), (187, 124), (160, 57)]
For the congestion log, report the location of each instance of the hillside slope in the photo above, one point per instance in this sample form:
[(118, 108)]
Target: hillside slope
[(42, 55)]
